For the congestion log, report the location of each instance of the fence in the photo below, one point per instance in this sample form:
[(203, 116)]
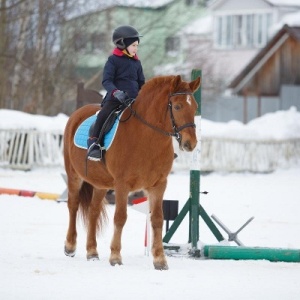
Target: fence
[(229, 155), (25, 149)]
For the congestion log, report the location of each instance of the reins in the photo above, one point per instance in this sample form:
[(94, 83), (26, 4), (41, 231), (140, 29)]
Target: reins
[(176, 130)]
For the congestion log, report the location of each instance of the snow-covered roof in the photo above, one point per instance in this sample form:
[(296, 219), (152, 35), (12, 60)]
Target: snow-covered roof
[(285, 2), (144, 3), (214, 3), (292, 20), (138, 3), (89, 6), (200, 26)]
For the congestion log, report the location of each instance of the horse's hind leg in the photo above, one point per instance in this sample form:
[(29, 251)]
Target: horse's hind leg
[(120, 218), (73, 204), (155, 197), (96, 217)]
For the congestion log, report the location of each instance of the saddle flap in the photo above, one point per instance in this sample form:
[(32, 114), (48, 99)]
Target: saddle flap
[(82, 133)]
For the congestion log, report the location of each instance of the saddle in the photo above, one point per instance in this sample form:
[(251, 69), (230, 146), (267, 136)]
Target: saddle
[(107, 133), (107, 126)]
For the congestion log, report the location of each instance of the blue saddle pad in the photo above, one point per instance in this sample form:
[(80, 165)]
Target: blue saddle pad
[(82, 133)]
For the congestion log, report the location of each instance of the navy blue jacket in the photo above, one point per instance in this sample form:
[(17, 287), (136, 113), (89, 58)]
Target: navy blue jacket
[(124, 73)]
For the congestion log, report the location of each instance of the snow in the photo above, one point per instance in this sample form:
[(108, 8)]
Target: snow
[(291, 19), (280, 125), (32, 231), (284, 125), (12, 119), (87, 6), (285, 2), (200, 26)]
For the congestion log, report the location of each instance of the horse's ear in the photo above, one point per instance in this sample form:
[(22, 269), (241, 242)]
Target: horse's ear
[(194, 85), (176, 81)]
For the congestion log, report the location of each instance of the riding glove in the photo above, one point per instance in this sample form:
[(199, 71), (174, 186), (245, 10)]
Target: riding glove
[(121, 96)]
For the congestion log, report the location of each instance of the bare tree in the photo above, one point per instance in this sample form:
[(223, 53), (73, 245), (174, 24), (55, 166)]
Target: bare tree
[(31, 74), (26, 8)]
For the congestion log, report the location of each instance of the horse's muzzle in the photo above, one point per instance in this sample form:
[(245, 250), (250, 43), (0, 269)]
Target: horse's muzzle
[(187, 145)]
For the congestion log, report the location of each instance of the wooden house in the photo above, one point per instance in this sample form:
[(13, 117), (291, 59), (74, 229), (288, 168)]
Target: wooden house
[(224, 42), (273, 72)]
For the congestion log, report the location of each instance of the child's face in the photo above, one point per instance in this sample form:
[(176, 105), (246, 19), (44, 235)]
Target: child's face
[(133, 48)]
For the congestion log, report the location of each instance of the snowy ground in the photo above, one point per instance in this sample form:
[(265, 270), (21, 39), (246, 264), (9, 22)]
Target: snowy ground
[(32, 232)]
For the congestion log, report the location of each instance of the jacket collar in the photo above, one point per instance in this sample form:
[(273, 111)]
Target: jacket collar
[(119, 52)]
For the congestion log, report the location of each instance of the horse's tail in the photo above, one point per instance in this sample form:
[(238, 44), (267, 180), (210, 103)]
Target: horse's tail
[(85, 199)]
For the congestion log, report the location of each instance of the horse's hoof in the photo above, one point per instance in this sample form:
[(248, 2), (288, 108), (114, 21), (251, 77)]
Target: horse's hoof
[(161, 267), (93, 257), (69, 253), (115, 262)]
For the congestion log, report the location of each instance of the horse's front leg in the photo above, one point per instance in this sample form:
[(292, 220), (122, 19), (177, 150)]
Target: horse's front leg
[(96, 217), (155, 197), (119, 222)]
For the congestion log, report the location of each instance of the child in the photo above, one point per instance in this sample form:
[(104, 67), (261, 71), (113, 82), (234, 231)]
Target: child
[(123, 77)]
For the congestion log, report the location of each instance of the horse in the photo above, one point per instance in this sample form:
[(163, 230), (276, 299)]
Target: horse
[(140, 158)]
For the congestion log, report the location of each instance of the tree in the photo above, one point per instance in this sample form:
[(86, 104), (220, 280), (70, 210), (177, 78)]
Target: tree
[(31, 76)]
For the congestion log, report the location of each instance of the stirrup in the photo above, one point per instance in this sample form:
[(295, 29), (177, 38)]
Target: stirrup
[(92, 158), (94, 152)]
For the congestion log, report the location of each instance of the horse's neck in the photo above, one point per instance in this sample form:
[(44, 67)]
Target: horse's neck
[(154, 110)]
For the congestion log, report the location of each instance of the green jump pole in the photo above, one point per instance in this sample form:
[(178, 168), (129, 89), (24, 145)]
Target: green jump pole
[(252, 253), (195, 183)]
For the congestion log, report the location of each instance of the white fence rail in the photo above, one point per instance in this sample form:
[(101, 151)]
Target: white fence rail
[(25, 149), (235, 155), (245, 155)]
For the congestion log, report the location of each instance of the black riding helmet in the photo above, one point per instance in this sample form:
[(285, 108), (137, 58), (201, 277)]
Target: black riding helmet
[(124, 32)]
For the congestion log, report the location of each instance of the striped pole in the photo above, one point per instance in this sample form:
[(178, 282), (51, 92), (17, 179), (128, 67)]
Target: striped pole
[(25, 193)]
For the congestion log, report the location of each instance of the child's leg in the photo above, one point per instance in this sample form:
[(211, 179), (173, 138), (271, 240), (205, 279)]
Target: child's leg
[(107, 108)]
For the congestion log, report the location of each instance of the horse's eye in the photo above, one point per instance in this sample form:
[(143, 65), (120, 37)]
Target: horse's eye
[(177, 106)]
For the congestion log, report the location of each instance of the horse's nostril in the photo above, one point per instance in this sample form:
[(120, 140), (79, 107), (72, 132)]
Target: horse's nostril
[(187, 146)]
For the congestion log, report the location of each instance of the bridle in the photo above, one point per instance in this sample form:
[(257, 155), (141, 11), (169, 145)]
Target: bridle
[(176, 130)]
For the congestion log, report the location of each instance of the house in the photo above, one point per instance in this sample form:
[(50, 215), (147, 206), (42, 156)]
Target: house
[(222, 42), (242, 30), (88, 36), (274, 73), (179, 36)]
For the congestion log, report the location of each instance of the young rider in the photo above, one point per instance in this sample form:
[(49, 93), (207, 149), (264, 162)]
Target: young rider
[(123, 77)]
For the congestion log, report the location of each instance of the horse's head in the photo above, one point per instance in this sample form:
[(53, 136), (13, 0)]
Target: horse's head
[(182, 109)]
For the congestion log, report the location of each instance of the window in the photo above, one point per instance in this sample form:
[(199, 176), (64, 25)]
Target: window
[(80, 41), (89, 42), (172, 45), (242, 31), (98, 41)]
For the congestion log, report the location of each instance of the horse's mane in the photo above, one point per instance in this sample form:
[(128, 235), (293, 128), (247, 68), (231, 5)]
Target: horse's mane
[(154, 83)]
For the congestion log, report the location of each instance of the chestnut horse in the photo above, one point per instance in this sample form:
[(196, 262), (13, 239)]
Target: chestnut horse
[(140, 158)]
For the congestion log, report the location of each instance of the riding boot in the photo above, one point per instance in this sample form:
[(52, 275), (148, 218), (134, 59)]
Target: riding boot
[(94, 152)]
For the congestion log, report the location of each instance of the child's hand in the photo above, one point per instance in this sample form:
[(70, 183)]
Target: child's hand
[(121, 96)]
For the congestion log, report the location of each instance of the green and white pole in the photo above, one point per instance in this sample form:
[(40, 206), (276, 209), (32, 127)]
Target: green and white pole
[(194, 199)]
